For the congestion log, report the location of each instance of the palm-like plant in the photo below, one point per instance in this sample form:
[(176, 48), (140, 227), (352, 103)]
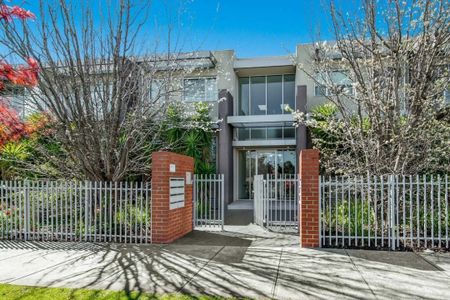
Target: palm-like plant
[(12, 154)]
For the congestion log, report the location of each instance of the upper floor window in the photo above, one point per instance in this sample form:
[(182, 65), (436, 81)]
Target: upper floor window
[(200, 89), (266, 95), (156, 89), (16, 97), (339, 80)]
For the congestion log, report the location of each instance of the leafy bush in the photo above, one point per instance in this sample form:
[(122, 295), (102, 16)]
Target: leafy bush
[(350, 216), (192, 134)]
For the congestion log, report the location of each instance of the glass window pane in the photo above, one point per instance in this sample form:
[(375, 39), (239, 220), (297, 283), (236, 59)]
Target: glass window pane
[(280, 163), (258, 95), (244, 188), (319, 90), (274, 133), (243, 109), (289, 92), (243, 134), (194, 89), (211, 93), (274, 95), (259, 134), (156, 89), (289, 133), (340, 78), (289, 162), (266, 163)]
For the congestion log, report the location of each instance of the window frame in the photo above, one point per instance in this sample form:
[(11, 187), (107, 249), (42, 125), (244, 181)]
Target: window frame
[(327, 91), (204, 78), (266, 129), (283, 75)]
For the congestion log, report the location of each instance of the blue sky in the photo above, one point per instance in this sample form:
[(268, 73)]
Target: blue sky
[(257, 27), (251, 27)]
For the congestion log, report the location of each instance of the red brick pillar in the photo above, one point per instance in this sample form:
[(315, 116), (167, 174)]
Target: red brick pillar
[(171, 221), (309, 198)]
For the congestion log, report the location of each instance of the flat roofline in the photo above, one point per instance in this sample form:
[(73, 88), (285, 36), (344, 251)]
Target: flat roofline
[(263, 62), (265, 57)]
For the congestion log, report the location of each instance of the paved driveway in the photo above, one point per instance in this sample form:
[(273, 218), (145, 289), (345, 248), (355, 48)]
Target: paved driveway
[(243, 262)]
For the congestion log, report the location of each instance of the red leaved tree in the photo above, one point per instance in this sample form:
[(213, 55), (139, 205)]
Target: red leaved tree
[(22, 75), (11, 126)]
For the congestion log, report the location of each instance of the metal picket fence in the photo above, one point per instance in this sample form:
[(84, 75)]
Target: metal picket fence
[(209, 206), (276, 202), (76, 211), (385, 211)]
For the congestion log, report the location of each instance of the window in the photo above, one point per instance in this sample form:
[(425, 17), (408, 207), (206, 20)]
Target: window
[(243, 134), (447, 96), (244, 96), (200, 89), (274, 133), (258, 95), (320, 90), (289, 93), (266, 95), (259, 134), (156, 89), (274, 94), (16, 97), (337, 79), (270, 133)]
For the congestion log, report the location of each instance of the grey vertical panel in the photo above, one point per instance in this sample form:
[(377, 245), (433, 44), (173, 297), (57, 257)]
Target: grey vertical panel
[(225, 142)]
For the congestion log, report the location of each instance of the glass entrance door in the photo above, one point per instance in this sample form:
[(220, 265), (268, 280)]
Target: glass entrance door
[(275, 162)]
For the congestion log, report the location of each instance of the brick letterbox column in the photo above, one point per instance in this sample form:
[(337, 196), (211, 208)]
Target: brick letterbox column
[(309, 198), (171, 221)]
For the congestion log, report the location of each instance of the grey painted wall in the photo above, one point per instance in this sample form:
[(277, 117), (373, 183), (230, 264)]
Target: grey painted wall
[(225, 144), (300, 101)]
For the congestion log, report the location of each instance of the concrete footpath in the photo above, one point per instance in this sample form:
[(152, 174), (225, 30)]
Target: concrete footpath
[(244, 261)]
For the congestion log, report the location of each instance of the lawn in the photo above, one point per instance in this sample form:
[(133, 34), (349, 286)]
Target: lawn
[(12, 292)]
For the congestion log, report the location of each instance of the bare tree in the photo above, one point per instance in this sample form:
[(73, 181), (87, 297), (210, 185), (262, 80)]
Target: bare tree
[(386, 75), (96, 74)]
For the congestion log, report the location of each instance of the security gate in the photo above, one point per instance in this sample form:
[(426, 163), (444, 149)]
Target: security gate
[(276, 202), (208, 198)]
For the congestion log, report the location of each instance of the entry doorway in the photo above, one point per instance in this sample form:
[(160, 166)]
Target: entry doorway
[(274, 162)]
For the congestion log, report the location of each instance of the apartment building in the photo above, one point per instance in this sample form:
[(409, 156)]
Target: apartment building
[(250, 96), (256, 135)]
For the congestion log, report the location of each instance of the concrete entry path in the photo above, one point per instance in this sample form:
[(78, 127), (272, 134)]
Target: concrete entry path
[(243, 261)]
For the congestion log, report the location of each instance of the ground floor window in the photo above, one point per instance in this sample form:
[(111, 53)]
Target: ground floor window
[(277, 162)]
